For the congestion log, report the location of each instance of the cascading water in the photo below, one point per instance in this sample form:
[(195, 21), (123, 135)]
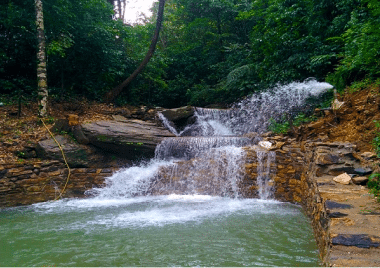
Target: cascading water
[(264, 181), (182, 208), (253, 114)]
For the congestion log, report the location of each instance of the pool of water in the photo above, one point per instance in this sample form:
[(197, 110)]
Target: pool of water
[(171, 230)]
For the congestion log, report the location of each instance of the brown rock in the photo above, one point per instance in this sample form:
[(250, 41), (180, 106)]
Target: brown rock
[(328, 159), (360, 180)]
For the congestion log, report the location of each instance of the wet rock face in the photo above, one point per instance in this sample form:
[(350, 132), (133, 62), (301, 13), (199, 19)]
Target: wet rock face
[(131, 139)]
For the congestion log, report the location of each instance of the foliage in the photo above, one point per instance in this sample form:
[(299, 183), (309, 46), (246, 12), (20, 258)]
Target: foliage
[(374, 185), (278, 127), (360, 57), (284, 125), (376, 140), (210, 51)]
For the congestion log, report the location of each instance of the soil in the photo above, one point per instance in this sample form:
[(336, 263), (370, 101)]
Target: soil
[(354, 122)]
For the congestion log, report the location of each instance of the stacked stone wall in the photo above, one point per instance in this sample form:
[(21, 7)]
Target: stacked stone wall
[(22, 184)]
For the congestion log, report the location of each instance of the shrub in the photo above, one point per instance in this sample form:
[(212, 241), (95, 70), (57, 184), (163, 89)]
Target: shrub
[(376, 140), (374, 185)]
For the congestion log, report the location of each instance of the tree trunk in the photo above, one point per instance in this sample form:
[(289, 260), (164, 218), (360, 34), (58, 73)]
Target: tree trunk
[(41, 61), (112, 94), (120, 10)]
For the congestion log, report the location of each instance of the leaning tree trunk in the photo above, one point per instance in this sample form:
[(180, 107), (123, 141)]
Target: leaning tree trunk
[(41, 61), (112, 94)]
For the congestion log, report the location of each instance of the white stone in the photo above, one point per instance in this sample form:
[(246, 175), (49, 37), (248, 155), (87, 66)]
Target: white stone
[(343, 178), (265, 144), (337, 104)]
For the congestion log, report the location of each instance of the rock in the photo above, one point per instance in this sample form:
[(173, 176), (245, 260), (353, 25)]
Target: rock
[(368, 155), (253, 136), (328, 159), (334, 205), (119, 118), (343, 178), (132, 139), (336, 105), (363, 171), (360, 180), (76, 155), (356, 240), (178, 113), (339, 170), (79, 135), (337, 215), (265, 144), (279, 144)]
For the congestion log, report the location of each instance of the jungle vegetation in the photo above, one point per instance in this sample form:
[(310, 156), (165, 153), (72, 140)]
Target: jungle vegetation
[(208, 51)]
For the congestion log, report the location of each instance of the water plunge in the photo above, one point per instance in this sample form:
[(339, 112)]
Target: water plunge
[(182, 208)]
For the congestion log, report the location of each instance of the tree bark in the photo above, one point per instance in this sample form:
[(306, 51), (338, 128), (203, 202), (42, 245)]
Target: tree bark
[(120, 10), (112, 94), (41, 61)]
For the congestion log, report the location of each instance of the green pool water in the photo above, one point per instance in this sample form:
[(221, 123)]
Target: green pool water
[(172, 230)]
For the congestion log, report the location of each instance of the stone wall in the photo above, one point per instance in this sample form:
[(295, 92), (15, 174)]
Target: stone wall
[(300, 171), (24, 184), (292, 177)]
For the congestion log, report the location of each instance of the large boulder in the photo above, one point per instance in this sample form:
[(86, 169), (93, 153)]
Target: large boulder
[(131, 139), (76, 155)]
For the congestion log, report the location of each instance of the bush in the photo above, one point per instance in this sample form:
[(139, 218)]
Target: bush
[(376, 140), (374, 185)]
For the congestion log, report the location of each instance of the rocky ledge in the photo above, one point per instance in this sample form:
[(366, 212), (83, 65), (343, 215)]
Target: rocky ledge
[(130, 139)]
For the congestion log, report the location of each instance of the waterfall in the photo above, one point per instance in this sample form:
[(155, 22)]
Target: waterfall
[(214, 172), (206, 157), (253, 114), (264, 174), (190, 147), (167, 124)]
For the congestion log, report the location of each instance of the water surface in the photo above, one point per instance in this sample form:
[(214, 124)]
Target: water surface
[(172, 230)]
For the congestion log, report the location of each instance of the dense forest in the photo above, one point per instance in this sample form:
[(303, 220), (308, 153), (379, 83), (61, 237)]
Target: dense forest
[(209, 51)]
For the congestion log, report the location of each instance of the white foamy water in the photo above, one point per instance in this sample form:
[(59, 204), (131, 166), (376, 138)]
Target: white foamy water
[(190, 147), (253, 113), (167, 124), (146, 211), (130, 182), (215, 171)]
